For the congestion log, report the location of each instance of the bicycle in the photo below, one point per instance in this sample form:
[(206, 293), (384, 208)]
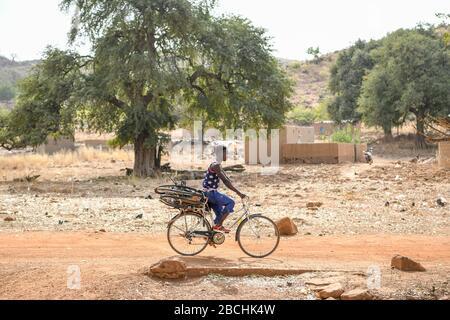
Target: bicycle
[(189, 233)]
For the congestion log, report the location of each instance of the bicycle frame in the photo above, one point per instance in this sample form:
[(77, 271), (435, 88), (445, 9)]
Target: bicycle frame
[(204, 211)]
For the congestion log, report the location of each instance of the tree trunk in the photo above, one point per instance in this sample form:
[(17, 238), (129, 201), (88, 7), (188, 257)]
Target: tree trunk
[(420, 141), (144, 157), (388, 133)]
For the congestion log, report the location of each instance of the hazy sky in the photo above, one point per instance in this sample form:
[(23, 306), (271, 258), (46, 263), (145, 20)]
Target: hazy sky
[(28, 26)]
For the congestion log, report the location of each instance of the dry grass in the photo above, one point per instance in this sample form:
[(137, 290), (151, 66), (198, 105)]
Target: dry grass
[(25, 164)]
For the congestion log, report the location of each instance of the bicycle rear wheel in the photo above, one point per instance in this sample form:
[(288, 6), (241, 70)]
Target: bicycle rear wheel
[(189, 234), (258, 236)]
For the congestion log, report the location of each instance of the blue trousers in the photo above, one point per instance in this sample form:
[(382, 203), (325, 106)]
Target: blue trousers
[(220, 204)]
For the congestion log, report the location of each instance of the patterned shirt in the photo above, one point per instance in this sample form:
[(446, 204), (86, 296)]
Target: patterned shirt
[(211, 180)]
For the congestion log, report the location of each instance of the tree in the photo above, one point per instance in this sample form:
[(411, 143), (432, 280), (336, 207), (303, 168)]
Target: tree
[(315, 52), (149, 56), (444, 25), (412, 76), (347, 75), (43, 105), (378, 103)]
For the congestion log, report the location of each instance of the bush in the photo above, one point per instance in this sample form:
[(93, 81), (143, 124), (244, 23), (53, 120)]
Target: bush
[(321, 112), (296, 65), (302, 116), (345, 136)]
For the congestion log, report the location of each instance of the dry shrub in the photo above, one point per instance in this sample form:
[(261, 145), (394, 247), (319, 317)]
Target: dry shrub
[(26, 163)]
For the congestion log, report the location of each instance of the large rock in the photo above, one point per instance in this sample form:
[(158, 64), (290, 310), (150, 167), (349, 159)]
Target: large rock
[(287, 227), (169, 269), (406, 264), (332, 291), (319, 282), (357, 294)]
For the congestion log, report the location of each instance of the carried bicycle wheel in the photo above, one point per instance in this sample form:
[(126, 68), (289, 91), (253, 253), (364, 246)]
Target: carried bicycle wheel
[(189, 234), (258, 236)]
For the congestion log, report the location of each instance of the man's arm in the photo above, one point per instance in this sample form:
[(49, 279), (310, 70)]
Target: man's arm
[(226, 181)]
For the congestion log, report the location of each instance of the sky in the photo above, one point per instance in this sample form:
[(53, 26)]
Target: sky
[(28, 26)]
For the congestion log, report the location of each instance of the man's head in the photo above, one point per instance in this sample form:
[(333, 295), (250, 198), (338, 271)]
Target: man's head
[(221, 153)]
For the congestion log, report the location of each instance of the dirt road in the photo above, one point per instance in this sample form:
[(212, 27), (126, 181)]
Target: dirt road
[(34, 264)]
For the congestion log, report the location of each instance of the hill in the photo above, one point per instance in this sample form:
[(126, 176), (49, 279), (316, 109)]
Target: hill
[(10, 73), (310, 78)]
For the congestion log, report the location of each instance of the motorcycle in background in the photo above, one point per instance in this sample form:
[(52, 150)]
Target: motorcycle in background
[(369, 156)]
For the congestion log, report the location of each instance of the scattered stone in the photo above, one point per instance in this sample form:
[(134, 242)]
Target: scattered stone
[(140, 216), (149, 197), (311, 205), (406, 264), (357, 294), (441, 201), (10, 219), (287, 227), (169, 269), (332, 291)]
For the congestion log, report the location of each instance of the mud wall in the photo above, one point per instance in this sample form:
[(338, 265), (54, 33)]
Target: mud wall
[(311, 153), (346, 152), (444, 154)]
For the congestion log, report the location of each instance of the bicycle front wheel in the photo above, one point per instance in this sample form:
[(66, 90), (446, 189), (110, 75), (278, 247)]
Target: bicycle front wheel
[(258, 236), (189, 234)]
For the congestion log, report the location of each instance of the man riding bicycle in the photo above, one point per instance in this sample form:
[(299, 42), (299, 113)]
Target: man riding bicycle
[(221, 204)]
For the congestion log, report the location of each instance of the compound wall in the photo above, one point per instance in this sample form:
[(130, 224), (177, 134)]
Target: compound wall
[(444, 154)]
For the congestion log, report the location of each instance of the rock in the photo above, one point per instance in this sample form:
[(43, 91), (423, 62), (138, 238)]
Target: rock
[(310, 205), (140, 216), (332, 291), (169, 269), (318, 282), (406, 264), (441, 201), (10, 219), (287, 227), (331, 298), (357, 294), (102, 230), (149, 197), (444, 298)]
